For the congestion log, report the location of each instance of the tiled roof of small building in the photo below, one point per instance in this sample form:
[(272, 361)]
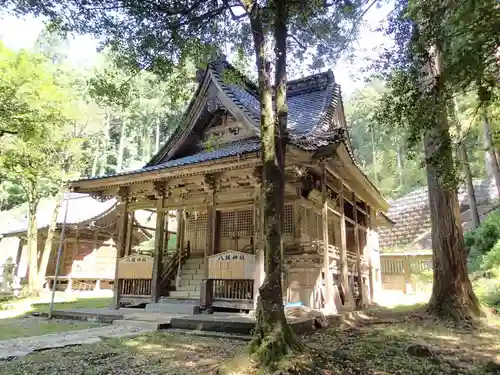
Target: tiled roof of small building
[(411, 213), (82, 208)]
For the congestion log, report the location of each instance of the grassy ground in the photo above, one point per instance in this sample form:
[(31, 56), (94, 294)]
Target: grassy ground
[(27, 326), (380, 342), (16, 320), (155, 354)]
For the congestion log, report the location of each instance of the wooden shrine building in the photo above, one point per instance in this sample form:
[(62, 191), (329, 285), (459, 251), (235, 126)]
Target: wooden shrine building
[(209, 171), (88, 258)]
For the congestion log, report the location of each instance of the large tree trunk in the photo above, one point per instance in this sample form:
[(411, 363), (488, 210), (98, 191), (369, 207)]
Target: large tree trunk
[(274, 337), (489, 148), (471, 195), (47, 249), (32, 248), (452, 294)]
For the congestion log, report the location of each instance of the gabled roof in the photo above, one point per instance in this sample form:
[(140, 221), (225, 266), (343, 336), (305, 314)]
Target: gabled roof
[(312, 102), (82, 208)]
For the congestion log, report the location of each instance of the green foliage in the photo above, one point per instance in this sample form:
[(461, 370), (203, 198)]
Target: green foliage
[(29, 99), (379, 149), (487, 287), (482, 241), (492, 258)]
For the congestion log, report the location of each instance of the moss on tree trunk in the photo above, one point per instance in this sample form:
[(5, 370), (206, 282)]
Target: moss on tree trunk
[(452, 294), (274, 338)]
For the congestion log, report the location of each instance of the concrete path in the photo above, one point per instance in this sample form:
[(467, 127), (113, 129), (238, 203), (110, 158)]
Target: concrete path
[(23, 346)]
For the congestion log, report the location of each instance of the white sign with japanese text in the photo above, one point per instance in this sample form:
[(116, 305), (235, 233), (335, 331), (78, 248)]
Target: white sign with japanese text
[(231, 265)]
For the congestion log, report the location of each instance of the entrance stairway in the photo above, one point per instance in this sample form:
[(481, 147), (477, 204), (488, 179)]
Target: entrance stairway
[(186, 298), (190, 281)]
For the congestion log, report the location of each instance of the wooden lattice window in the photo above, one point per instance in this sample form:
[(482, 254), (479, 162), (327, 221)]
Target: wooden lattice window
[(227, 224), (304, 223), (331, 231), (288, 219), (237, 223), (318, 226), (196, 230)]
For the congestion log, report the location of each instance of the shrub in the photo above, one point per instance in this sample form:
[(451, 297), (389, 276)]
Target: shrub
[(480, 241), (491, 259), (487, 288)]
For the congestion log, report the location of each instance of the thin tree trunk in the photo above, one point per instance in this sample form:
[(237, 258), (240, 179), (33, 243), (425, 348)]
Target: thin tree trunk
[(374, 156), (471, 194), (464, 157), (274, 337), (452, 294), (121, 147), (47, 249), (399, 155), (32, 248), (95, 161), (489, 148), (157, 137), (105, 147)]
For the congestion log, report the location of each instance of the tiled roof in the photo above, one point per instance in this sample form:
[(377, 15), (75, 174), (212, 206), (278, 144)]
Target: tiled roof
[(229, 149), (312, 102), (82, 208), (411, 213)]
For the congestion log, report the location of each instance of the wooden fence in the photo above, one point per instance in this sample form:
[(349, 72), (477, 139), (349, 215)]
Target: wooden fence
[(405, 271)]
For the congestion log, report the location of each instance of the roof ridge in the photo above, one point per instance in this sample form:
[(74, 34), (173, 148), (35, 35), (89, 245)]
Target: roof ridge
[(298, 86)]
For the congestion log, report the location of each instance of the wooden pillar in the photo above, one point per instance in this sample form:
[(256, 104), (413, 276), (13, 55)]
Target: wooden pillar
[(328, 279), (370, 256), (181, 225), (129, 240), (344, 269), (158, 251), (18, 257), (407, 275), (358, 253), (206, 287), (120, 247)]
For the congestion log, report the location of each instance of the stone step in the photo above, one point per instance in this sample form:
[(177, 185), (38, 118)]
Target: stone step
[(189, 288), (220, 335), (192, 271), (194, 261), (185, 294), (140, 324), (190, 282), (198, 277), (174, 306), (192, 267)]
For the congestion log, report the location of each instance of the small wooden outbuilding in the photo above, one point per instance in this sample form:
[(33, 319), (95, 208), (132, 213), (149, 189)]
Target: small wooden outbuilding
[(88, 259)]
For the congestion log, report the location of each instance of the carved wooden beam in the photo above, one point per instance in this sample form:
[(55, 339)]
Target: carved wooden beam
[(123, 193), (211, 180), (160, 189)]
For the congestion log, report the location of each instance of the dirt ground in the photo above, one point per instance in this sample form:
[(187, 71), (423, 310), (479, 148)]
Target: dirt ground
[(379, 342)]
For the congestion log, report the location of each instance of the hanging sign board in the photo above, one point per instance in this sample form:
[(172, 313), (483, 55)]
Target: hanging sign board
[(135, 267), (231, 265)]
